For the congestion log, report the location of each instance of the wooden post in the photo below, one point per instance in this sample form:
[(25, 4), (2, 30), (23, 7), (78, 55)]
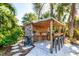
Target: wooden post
[(32, 32), (59, 29), (51, 37)]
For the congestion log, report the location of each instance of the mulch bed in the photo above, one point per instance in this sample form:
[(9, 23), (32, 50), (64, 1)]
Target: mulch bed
[(5, 51)]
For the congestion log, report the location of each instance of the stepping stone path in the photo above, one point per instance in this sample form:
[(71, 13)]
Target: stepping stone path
[(20, 50)]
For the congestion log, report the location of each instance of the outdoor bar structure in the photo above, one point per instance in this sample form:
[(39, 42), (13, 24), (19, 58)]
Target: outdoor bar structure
[(45, 29)]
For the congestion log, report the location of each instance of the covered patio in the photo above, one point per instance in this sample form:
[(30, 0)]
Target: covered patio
[(47, 29)]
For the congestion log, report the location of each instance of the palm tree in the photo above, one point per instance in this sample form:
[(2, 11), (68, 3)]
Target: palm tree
[(62, 10), (29, 17), (38, 8), (51, 9), (46, 15)]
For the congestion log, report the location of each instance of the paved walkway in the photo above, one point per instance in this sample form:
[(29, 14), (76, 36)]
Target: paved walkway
[(42, 49)]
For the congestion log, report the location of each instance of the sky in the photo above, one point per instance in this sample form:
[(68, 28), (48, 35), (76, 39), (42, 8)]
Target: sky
[(21, 9)]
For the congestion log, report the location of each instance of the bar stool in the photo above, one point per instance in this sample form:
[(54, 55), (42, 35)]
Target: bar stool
[(59, 42), (61, 38), (55, 43)]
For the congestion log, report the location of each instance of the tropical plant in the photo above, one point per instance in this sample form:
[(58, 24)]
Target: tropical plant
[(63, 9), (46, 15), (51, 9), (29, 17), (38, 8)]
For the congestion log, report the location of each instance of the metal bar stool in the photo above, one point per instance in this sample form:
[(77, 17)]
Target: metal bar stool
[(54, 45), (59, 43), (55, 42), (61, 38)]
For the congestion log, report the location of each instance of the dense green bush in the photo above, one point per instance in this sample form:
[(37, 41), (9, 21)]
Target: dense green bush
[(6, 40), (10, 31)]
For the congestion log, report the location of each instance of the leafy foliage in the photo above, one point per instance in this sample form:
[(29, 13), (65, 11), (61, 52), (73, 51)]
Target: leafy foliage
[(29, 17), (46, 15), (38, 9), (9, 29), (76, 20), (12, 38)]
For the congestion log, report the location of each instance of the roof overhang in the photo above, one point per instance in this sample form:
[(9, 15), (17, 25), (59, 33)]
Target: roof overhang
[(43, 24)]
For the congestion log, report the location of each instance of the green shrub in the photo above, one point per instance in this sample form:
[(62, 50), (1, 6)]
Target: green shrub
[(6, 40)]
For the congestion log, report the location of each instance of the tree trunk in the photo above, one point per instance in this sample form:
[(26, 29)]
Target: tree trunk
[(73, 11), (39, 14), (51, 10)]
